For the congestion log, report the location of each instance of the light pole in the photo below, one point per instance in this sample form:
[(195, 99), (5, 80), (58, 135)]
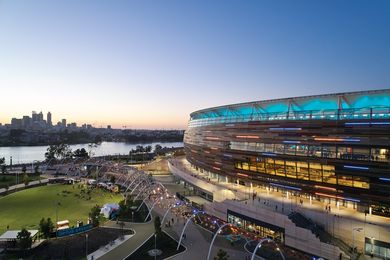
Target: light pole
[(155, 246), (358, 229), (86, 246)]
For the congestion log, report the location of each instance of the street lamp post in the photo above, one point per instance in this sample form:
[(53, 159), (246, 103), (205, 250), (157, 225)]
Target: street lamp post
[(358, 229), (155, 246), (86, 246)]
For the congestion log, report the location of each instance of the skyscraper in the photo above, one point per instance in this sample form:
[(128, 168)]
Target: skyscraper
[(49, 122)]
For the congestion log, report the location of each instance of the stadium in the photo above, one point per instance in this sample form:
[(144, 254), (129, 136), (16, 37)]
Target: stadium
[(329, 150)]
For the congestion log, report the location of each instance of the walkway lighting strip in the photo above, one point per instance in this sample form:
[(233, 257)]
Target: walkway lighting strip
[(227, 155), (367, 123), (285, 129), (248, 136), (336, 139), (216, 168), (212, 138), (336, 197), (325, 188), (242, 175), (356, 167), (384, 179), (284, 186), (268, 154), (292, 142)]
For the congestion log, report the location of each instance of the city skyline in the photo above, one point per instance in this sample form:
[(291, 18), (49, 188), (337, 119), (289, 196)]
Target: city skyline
[(145, 65)]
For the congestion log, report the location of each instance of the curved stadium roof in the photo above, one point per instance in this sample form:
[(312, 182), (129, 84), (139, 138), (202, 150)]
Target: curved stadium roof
[(351, 105)]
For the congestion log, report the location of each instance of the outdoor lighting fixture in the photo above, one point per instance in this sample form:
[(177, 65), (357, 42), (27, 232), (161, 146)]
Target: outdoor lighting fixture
[(356, 167)]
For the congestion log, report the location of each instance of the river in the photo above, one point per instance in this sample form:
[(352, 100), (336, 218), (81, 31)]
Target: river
[(28, 154)]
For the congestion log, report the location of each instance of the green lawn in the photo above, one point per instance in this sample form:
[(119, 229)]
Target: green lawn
[(6, 179), (26, 208)]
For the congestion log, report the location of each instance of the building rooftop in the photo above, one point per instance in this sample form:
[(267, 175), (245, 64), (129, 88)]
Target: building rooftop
[(373, 104), (12, 234)]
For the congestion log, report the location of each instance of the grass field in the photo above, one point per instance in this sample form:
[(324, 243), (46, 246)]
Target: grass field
[(26, 208)]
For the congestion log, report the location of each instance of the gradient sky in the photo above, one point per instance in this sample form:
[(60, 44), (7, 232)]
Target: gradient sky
[(149, 64)]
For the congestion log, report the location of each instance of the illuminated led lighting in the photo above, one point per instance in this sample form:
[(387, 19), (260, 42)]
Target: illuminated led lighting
[(229, 125), (285, 129), (336, 197), (356, 167), (216, 168), (292, 142), (284, 186), (214, 148), (384, 179), (269, 154), (380, 123), (367, 123), (218, 163), (336, 139), (212, 138), (206, 151), (248, 136), (227, 155), (325, 188), (242, 175)]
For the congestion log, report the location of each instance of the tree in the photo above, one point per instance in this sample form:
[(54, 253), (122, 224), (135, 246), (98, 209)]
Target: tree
[(221, 255), (80, 153), (24, 239), (2, 161), (94, 215), (36, 169), (148, 148), (24, 169), (3, 169), (112, 179), (46, 227), (157, 226), (25, 178), (157, 148)]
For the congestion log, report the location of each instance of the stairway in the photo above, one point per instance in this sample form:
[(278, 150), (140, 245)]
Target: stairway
[(301, 221)]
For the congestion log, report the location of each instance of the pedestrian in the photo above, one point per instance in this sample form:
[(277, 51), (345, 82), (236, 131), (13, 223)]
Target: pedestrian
[(276, 207)]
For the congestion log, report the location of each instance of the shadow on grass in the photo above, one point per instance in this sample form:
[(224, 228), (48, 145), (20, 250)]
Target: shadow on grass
[(166, 244)]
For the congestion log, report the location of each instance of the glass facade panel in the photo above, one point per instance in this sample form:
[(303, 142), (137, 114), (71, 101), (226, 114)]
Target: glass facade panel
[(270, 166), (269, 148), (302, 150), (329, 175), (303, 170), (291, 169), (315, 151), (380, 154), (279, 168), (361, 182), (345, 180), (316, 172), (329, 151), (290, 149)]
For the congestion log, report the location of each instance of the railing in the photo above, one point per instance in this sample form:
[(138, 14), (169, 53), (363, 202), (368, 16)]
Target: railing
[(338, 114)]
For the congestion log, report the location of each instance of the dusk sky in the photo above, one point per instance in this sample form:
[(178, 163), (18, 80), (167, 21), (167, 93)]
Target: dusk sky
[(149, 64)]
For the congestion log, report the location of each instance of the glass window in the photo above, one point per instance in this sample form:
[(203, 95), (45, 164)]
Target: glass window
[(253, 167), (291, 169), (315, 151), (329, 175), (361, 182), (269, 148), (316, 172), (245, 166), (260, 147), (345, 180), (329, 151), (361, 153), (380, 154), (279, 168), (344, 153), (279, 148), (238, 165), (290, 149), (302, 150), (260, 165), (302, 170), (270, 166)]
